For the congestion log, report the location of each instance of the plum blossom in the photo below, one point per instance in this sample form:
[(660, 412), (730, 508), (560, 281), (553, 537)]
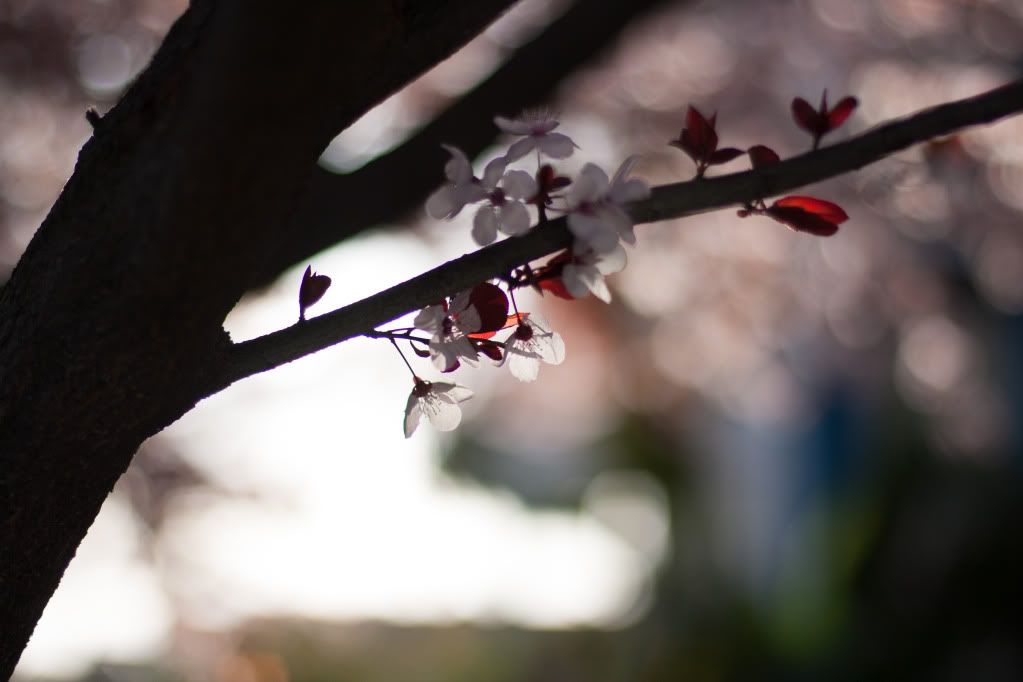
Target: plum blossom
[(597, 216), (463, 188), (536, 129), (585, 273), (505, 208), (438, 402), (530, 343), (449, 327)]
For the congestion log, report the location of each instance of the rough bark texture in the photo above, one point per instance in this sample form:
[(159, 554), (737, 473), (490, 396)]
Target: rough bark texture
[(110, 326)]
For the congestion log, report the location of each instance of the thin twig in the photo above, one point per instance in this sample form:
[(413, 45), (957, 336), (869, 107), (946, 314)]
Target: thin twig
[(667, 201)]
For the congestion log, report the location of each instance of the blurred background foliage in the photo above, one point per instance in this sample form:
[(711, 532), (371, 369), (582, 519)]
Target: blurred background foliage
[(816, 444)]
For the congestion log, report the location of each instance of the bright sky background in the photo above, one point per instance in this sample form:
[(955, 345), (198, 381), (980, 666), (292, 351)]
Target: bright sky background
[(356, 521)]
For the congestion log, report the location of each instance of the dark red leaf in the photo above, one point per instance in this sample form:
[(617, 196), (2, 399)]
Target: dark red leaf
[(551, 271), (805, 116), (491, 350), (421, 352), (685, 143), (452, 367), (312, 289), (760, 156), (801, 221), (702, 136), (840, 113), (724, 155), (492, 305), (509, 321), (808, 214)]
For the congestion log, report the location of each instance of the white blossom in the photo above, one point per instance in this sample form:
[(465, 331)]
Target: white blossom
[(438, 402), (505, 209), (597, 217), (449, 344), (531, 343), (585, 273), (536, 129)]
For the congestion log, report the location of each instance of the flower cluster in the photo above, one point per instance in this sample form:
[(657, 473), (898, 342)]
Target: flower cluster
[(484, 322), (463, 328), (457, 331)]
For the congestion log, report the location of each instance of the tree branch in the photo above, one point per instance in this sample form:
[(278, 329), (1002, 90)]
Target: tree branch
[(337, 206), (112, 320), (668, 201)]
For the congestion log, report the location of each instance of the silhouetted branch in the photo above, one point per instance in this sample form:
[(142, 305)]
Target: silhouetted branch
[(667, 201), (337, 206)]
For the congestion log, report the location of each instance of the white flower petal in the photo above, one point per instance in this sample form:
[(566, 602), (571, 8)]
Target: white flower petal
[(493, 172), (583, 226), (441, 204), (413, 413), (443, 415), (612, 261), (592, 234), (468, 320), (580, 280), (556, 145), (546, 343), (512, 126), (455, 393), (468, 194), (574, 279), (458, 169), (430, 319), (459, 301), (484, 225), (520, 148), (599, 288), (519, 184), (590, 186), (447, 351), (523, 367), (514, 218)]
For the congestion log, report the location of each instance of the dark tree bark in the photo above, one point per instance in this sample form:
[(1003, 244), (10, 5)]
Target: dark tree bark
[(186, 197), (110, 325), (336, 206)]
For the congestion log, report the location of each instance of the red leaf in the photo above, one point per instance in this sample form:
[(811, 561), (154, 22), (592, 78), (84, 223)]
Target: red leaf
[(312, 289), (701, 132), (491, 350), (421, 352), (808, 214), (492, 305), (548, 277), (555, 286), (760, 156), (840, 113), (801, 221), (805, 116), (724, 155), (685, 143), (833, 213)]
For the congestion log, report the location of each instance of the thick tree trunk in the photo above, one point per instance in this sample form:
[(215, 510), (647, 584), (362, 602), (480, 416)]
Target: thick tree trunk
[(110, 327)]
